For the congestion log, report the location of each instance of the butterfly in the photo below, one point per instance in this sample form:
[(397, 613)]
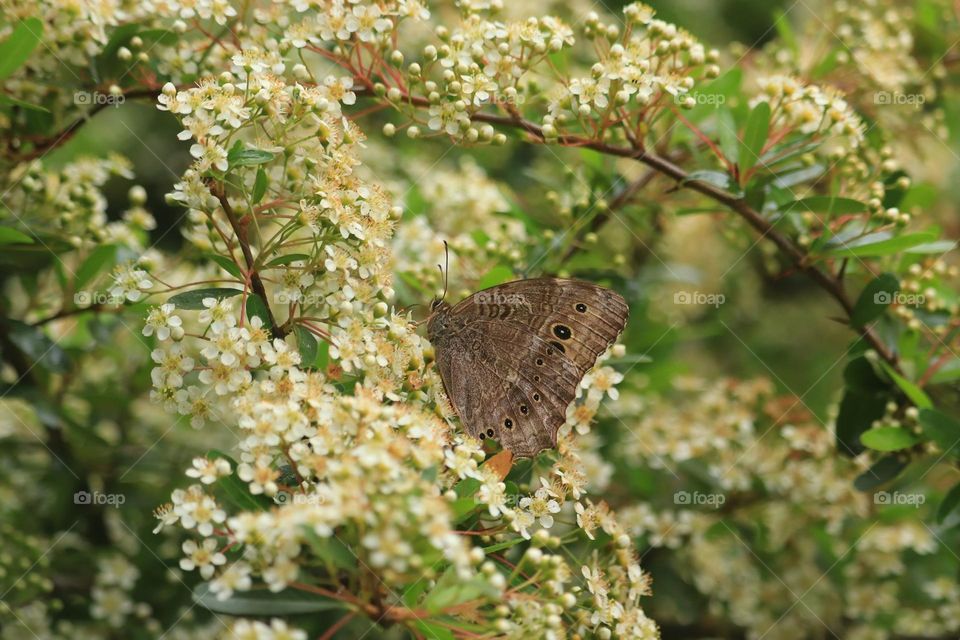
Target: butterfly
[(511, 356)]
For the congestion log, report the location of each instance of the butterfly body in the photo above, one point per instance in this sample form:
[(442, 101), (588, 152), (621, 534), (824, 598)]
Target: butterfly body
[(511, 356)]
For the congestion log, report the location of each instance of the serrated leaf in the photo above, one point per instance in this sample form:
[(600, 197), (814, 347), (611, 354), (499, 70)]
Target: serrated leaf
[(498, 275), (9, 235), (262, 602), (888, 438), (874, 299), (949, 503), (941, 428), (754, 136), (193, 300), (16, 49), (883, 470)]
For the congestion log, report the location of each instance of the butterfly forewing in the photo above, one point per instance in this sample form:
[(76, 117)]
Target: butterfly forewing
[(511, 356)]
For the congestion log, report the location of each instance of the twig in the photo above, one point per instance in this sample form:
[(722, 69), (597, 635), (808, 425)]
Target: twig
[(831, 284), (240, 230)]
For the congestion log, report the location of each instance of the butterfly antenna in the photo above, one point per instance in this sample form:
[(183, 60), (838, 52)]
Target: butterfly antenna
[(445, 270)]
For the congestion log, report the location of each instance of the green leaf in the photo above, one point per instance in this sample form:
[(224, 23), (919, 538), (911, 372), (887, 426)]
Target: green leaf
[(16, 49), (97, 260), (256, 307), (240, 157), (863, 403), (911, 390), (754, 136), (307, 344), (874, 300), (451, 590), (10, 101), (9, 235), (194, 299), (467, 487), (226, 263), (237, 492), (434, 631), (826, 204), (119, 37), (941, 428), (413, 282), (461, 508), (938, 247), (331, 550), (323, 355), (889, 438), (259, 185), (38, 347), (716, 178), (262, 602), (883, 470), (498, 275), (881, 243), (781, 22), (949, 503), (287, 259)]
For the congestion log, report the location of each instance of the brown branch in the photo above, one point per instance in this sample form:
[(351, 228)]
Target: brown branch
[(339, 624), (833, 285), (42, 144), (621, 200), (240, 230)]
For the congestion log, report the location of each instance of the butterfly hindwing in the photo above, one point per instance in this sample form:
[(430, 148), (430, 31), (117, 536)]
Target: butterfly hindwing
[(511, 356)]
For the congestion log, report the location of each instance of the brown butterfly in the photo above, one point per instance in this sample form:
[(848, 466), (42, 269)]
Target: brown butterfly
[(511, 356)]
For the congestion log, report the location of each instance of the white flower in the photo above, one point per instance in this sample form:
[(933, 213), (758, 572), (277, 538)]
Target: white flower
[(205, 557), (130, 282), (162, 321), (208, 470)]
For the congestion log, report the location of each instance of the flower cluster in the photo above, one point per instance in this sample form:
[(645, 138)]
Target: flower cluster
[(812, 111), (767, 463)]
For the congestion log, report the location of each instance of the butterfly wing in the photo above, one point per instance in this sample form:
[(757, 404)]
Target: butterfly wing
[(511, 356)]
